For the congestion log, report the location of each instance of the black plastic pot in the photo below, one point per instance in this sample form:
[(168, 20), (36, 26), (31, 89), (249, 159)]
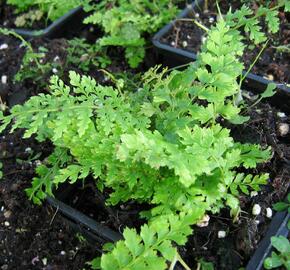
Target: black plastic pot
[(278, 226), (174, 57), (56, 29), (92, 230)]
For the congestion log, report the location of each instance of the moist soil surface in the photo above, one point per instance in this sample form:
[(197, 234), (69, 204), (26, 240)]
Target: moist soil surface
[(274, 63), (33, 237)]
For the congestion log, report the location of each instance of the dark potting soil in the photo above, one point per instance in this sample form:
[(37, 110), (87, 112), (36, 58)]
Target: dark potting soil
[(274, 63), (32, 237)]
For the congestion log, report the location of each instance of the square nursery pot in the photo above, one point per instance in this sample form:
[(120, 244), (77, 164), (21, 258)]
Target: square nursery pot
[(174, 57), (56, 29)]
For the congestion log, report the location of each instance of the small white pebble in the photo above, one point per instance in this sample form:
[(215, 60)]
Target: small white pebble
[(269, 212), (203, 39), (56, 58), (281, 114), (4, 79), (270, 77), (283, 129), (28, 150), (211, 19), (6, 223), (256, 210), (204, 221), (253, 193), (257, 221), (62, 253), (196, 15), (188, 37), (222, 234), (2, 208), (41, 61), (3, 46), (7, 214), (172, 43), (84, 57), (37, 162), (21, 45), (59, 242), (54, 70), (184, 43), (44, 261)]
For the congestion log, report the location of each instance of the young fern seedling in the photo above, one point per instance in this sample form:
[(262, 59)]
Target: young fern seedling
[(126, 23), (280, 257), (31, 67), (53, 9)]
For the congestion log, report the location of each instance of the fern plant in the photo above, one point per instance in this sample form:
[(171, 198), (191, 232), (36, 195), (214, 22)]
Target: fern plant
[(280, 257), (250, 21), (126, 22), (53, 9), (162, 145), (32, 66)]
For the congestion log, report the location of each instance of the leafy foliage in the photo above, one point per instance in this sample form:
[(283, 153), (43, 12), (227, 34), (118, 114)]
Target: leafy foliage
[(32, 66), (126, 22), (250, 21), (140, 251), (53, 9), (282, 245), (282, 206), (162, 145), (85, 55)]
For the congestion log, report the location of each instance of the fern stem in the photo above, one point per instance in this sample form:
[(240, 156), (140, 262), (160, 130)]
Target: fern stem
[(182, 262), (253, 63), (205, 7), (198, 266), (258, 15), (177, 258), (178, 67), (174, 261), (56, 109), (203, 27)]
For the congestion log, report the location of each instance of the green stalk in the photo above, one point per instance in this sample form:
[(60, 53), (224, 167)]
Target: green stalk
[(196, 22)]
